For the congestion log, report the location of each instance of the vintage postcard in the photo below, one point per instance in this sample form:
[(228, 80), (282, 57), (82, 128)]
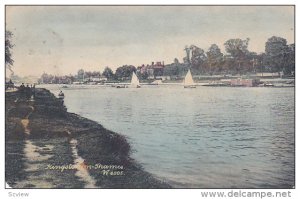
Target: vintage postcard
[(150, 96)]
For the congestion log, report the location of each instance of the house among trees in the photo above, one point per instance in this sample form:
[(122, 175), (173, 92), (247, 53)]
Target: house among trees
[(151, 71)]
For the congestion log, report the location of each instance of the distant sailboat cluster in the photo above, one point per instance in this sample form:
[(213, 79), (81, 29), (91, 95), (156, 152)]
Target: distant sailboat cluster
[(188, 81)]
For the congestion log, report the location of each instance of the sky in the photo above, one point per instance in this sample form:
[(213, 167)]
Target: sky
[(60, 40)]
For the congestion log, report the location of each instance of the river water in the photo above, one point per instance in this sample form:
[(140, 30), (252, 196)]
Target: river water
[(208, 137)]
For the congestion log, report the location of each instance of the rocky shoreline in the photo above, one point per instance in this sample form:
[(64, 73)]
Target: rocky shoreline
[(48, 147)]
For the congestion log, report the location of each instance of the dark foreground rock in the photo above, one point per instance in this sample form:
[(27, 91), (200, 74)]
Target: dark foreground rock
[(42, 153)]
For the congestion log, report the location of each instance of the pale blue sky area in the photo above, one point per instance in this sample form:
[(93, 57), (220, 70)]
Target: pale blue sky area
[(63, 39)]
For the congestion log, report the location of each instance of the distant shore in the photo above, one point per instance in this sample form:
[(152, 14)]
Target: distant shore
[(48, 147), (213, 81)]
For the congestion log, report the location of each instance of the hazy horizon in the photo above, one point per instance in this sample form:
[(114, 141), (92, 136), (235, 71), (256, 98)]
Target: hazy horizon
[(62, 39)]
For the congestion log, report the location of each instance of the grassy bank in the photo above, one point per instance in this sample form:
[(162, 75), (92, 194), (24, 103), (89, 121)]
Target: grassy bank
[(56, 139)]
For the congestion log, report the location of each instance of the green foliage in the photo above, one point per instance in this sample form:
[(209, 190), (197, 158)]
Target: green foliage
[(198, 56), (214, 58), (237, 48), (125, 72), (143, 76), (8, 50), (80, 74), (92, 74), (108, 73), (175, 69), (214, 53), (279, 55)]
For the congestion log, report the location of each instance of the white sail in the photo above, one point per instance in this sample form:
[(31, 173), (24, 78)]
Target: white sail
[(135, 83), (188, 80)]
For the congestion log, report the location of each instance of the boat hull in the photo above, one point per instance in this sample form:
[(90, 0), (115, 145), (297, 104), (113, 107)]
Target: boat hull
[(189, 87), (121, 86)]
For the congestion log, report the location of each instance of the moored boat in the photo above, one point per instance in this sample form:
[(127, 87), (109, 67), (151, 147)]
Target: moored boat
[(121, 86)]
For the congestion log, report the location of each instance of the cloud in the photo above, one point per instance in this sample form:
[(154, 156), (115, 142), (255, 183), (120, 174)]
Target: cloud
[(74, 36)]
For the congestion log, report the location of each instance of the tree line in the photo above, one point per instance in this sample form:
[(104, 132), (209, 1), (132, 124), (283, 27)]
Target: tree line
[(278, 57), (237, 59)]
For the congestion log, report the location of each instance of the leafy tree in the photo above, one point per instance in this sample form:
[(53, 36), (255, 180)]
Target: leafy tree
[(108, 73), (125, 72), (214, 57), (237, 48), (280, 56), (290, 59), (46, 78), (214, 53), (198, 59), (80, 74), (71, 77), (96, 74), (186, 59), (238, 51), (8, 48), (198, 56), (175, 69), (88, 74)]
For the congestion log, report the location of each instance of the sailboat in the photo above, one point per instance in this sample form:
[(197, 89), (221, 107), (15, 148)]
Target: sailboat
[(135, 82), (188, 81)]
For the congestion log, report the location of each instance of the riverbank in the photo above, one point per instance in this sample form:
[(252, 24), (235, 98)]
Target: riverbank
[(48, 147), (212, 81)]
